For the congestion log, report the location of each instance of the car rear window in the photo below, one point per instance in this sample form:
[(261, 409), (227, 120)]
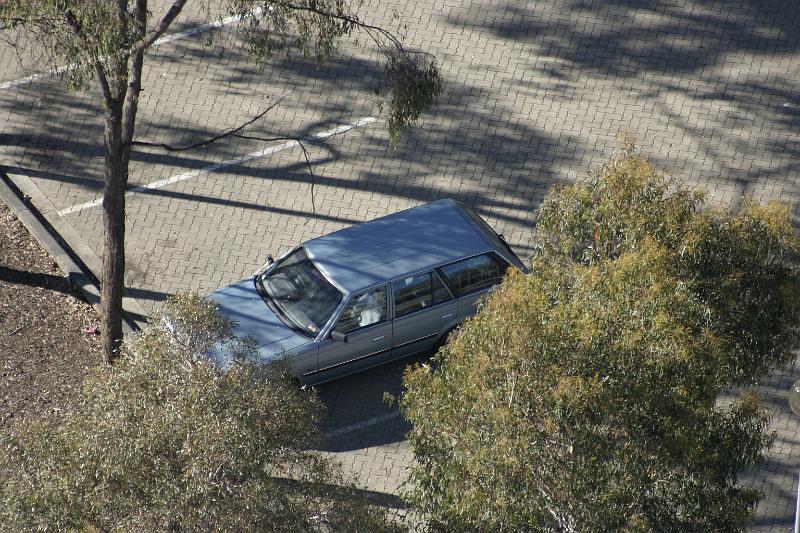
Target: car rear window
[(493, 236), (474, 274)]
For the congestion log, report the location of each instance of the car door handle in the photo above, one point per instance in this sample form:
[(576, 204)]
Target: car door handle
[(379, 337), (447, 315)]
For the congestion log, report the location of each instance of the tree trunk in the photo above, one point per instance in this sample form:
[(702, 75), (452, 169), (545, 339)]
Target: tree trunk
[(114, 232), (120, 84)]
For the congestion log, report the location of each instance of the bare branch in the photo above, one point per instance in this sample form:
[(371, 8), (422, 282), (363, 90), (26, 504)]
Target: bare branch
[(350, 20), (229, 133), (300, 140), (313, 177)]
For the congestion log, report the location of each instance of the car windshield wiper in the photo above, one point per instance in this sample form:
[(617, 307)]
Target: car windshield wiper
[(275, 308)]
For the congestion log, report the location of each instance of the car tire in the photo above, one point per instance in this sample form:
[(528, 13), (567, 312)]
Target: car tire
[(443, 340)]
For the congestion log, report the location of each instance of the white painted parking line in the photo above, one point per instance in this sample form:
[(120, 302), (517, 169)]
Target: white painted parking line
[(374, 421), (162, 40), (227, 163), (202, 28), (30, 79)]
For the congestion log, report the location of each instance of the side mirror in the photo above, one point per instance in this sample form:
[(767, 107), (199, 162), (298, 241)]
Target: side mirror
[(338, 336), (269, 263)]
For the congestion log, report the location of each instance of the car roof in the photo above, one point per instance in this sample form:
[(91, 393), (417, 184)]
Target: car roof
[(408, 241)]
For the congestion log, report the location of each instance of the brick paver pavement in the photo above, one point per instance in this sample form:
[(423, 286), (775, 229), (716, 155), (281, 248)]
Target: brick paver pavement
[(536, 94)]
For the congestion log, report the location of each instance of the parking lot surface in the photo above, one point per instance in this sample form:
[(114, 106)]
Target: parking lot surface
[(536, 94)]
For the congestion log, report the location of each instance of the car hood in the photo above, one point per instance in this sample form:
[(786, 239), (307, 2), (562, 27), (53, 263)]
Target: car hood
[(252, 317)]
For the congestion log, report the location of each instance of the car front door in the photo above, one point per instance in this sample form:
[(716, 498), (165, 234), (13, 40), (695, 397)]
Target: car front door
[(364, 322), (423, 310)]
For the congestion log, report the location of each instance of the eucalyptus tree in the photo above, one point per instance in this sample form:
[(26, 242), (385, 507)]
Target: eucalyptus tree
[(106, 41), (165, 441), (608, 389)]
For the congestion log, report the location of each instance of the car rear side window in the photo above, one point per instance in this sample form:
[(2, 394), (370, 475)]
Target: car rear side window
[(418, 292), (364, 310), (474, 274)]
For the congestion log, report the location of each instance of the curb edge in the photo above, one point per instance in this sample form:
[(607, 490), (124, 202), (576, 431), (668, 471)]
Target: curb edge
[(61, 248)]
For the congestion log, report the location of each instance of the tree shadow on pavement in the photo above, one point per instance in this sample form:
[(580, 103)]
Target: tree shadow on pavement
[(34, 279), (720, 74)]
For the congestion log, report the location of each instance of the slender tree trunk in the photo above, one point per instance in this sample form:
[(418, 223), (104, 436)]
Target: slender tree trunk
[(116, 178), (120, 83)]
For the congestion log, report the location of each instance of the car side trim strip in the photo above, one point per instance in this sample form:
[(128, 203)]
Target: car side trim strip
[(416, 340), (345, 362)]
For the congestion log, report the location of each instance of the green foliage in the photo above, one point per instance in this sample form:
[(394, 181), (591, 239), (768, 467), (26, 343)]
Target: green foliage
[(743, 265), (164, 441), (412, 82), (311, 27), (84, 33), (582, 396), (78, 33)]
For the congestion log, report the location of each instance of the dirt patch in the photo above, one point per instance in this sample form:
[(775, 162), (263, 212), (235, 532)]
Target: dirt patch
[(45, 350)]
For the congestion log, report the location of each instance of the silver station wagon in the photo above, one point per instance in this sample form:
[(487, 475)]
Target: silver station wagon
[(371, 293)]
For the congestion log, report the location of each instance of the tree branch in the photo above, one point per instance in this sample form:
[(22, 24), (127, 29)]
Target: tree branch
[(350, 20), (135, 65), (163, 26), (122, 18), (140, 14), (310, 171), (105, 88), (369, 29), (300, 140), (215, 138), (75, 24), (14, 22)]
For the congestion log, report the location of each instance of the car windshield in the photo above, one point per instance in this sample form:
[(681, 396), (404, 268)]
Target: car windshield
[(300, 292)]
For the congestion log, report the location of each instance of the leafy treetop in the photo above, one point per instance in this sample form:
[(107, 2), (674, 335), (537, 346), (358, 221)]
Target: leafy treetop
[(582, 396), (165, 441)]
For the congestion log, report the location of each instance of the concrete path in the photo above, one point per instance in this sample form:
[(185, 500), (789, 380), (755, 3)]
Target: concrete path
[(536, 94)]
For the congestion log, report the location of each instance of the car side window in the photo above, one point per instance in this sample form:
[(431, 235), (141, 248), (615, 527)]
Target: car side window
[(364, 310), (474, 274), (418, 292)]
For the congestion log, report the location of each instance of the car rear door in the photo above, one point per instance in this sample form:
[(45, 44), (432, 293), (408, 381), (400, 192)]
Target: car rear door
[(423, 310)]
